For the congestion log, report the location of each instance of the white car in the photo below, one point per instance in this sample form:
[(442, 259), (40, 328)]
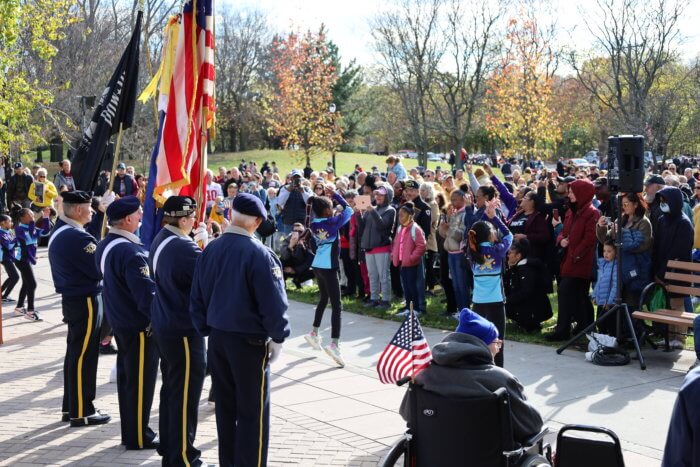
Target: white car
[(432, 157), (580, 163), (407, 153)]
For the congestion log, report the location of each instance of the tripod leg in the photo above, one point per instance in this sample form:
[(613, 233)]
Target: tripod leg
[(630, 325), (588, 328)]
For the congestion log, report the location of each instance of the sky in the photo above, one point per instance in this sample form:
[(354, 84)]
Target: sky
[(347, 22)]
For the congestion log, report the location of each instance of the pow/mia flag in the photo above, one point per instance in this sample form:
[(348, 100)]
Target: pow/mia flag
[(116, 106)]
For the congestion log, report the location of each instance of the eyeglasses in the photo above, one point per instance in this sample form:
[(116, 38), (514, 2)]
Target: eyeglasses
[(498, 343), (41, 176), (298, 231)]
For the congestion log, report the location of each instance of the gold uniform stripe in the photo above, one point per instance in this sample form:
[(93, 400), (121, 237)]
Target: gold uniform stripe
[(139, 408), (262, 407), (185, 392), (88, 332)]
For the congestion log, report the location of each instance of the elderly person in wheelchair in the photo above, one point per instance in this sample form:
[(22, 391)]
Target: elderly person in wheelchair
[(464, 411)]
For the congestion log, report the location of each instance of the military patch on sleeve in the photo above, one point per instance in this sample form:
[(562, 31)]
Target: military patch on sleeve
[(277, 272), (144, 271), (90, 248)]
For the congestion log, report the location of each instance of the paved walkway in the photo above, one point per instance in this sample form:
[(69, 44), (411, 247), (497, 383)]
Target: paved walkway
[(321, 415)]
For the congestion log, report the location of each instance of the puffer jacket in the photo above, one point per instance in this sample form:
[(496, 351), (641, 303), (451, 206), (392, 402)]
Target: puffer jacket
[(636, 252), (377, 224), (579, 228), (605, 290), (411, 251)]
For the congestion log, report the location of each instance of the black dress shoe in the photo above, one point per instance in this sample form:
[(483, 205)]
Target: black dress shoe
[(153, 444), (108, 349), (95, 419), (65, 417)]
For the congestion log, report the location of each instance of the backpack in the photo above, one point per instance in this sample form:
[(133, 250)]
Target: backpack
[(413, 231)]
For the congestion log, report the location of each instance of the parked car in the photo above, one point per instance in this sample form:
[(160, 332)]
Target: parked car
[(648, 159), (408, 153), (580, 163), (434, 157), (592, 157)]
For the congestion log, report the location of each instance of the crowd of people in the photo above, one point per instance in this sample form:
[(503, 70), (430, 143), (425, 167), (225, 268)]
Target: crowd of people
[(497, 244), (494, 245)]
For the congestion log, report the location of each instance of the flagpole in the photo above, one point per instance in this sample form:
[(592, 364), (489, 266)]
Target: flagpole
[(413, 366), (112, 175)]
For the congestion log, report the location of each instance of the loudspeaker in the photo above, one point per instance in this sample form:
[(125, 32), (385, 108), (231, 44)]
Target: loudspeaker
[(626, 163)]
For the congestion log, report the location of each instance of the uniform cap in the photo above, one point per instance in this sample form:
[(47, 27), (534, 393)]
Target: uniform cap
[(250, 205), (17, 165), (122, 207), (179, 206), (77, 197), (412, 184)]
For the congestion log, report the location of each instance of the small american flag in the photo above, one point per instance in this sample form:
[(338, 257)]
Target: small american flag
[(407, 354)]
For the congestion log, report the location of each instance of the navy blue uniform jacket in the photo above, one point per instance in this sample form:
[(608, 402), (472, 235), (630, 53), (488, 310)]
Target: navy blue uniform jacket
[(72, 260), (238, 287), (172, 260), (128, 287), (683, 441)]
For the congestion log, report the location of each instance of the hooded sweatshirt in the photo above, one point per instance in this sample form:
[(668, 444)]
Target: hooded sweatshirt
[(673, 239), (462, 366), (579, 228), (377, 224)]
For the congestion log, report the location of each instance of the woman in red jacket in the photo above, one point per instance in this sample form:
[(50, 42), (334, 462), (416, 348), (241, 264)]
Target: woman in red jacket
[(577, 243)]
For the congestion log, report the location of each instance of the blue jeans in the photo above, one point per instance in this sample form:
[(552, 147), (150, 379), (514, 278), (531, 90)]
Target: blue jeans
[(413, 283), (458, 270)]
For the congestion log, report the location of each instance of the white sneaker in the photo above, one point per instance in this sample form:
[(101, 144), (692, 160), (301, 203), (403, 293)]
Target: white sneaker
[(403, 313), (314, 340), (334, 352)]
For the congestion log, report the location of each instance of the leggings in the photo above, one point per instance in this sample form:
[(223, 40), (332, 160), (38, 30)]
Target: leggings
[(496, 313), (329, 288), (12, 279), (28, 285)]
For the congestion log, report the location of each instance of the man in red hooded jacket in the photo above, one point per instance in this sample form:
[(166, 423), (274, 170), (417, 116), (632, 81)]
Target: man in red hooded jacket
[(578, 241)]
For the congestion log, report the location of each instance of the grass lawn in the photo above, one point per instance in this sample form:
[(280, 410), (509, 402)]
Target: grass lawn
[(288, 160), (433, 318)]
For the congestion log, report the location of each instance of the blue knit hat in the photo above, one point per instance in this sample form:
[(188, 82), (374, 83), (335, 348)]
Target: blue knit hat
[(477, 326)]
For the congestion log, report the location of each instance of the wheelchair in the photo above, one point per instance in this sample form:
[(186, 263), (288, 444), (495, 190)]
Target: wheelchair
[(467, 432)]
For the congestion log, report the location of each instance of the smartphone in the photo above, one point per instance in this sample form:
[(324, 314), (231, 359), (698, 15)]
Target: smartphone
[(555, 213)]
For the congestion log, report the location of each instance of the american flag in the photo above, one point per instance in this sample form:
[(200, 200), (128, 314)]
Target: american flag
[(407, 354), (190, 108)]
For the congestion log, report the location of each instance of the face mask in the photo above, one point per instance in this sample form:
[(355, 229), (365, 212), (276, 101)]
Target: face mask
[(664, 207)]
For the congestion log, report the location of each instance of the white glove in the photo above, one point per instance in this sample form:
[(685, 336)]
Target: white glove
[(201, 236), (107, 199), (274, 350)]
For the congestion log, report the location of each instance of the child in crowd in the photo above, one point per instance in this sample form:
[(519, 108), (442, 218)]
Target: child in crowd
[(488, 255), (325, 229), (8, 256), (407, 254), (605, 290), (27, 235)]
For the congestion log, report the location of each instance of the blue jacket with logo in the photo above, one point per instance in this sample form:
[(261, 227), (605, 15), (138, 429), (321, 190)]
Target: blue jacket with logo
[(238, 287), (326, 233), (128, 287), (72, 260), (488, 285), (172, 259), (27, 236), (8, 246)]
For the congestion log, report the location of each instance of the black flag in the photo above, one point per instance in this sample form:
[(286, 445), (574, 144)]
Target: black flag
[(116, 106)]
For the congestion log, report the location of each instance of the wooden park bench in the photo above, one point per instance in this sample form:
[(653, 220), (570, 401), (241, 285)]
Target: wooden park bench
[(680, 279)]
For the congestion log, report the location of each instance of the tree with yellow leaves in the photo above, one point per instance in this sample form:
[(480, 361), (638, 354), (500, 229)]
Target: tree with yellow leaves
[(519, 93)]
